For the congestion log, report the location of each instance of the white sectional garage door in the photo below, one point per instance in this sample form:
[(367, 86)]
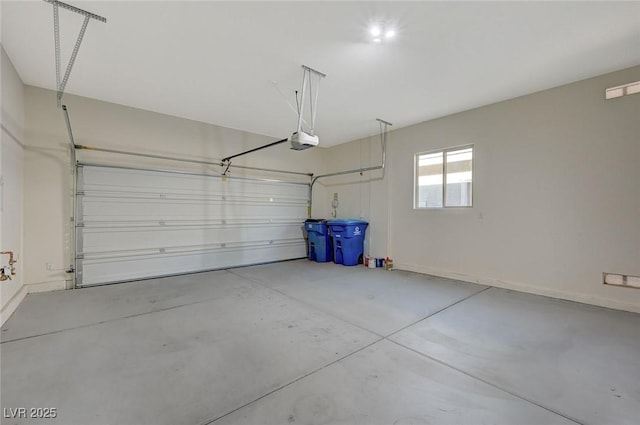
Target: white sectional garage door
[(136, 224)]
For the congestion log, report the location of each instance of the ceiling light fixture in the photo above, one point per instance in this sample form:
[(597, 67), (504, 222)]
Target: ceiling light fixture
[(381, 31)]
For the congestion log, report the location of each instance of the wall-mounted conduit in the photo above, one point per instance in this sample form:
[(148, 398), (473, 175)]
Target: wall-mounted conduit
[(383, 142)]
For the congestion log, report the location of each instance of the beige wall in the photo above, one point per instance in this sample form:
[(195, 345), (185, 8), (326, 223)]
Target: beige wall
[(555, 186), (556, 198), (95, 123), (11, 171)]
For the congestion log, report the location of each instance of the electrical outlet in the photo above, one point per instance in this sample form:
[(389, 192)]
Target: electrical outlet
[(49, 267), (335, 203)]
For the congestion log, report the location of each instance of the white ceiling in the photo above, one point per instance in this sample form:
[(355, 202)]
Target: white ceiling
[(215, 61)]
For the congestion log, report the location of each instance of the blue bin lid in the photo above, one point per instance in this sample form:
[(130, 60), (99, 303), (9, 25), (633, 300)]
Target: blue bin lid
[(346, 221)]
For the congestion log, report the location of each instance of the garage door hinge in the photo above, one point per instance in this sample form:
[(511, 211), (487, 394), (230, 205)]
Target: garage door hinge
[(80, 257)]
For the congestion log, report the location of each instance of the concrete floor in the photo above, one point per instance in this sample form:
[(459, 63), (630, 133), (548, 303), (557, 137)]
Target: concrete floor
[(308, 343)]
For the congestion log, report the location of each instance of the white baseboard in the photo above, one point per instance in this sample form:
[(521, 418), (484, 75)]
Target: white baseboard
[(522, 287), (12, 305), (31, 288), (55, 285)]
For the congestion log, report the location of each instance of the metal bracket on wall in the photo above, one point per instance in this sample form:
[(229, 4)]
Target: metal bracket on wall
[(61, 84)]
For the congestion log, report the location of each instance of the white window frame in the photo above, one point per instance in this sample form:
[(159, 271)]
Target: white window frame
[(416, 177)]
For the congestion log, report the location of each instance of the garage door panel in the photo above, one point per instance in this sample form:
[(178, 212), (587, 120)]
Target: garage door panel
[(209, 197), (115, 239), (103, 180), (136, 224), (100, 271), (157, 210)]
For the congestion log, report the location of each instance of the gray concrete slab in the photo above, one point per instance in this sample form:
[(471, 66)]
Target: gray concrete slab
[(294, 272), (387, 384), (376, 299), (285, 338), (184, 365), (59, 310), (581, 360)]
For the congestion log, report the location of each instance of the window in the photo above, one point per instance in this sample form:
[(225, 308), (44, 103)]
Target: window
[(444, 178)]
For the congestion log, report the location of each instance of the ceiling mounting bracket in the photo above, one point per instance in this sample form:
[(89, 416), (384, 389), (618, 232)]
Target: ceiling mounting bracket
[(307, 77), (302, 139), (61, 83)]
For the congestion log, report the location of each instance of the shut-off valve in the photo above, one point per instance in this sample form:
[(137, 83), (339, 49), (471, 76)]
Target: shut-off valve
[(7, 271)]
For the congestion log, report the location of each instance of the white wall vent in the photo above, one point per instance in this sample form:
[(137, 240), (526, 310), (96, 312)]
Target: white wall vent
[(621, 280), (623, 90)]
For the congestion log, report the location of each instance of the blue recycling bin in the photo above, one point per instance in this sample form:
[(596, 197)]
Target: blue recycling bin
[(348, 240), (320, 249)]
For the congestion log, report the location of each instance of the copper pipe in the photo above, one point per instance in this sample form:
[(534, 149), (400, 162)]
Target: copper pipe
[(11, 261)]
